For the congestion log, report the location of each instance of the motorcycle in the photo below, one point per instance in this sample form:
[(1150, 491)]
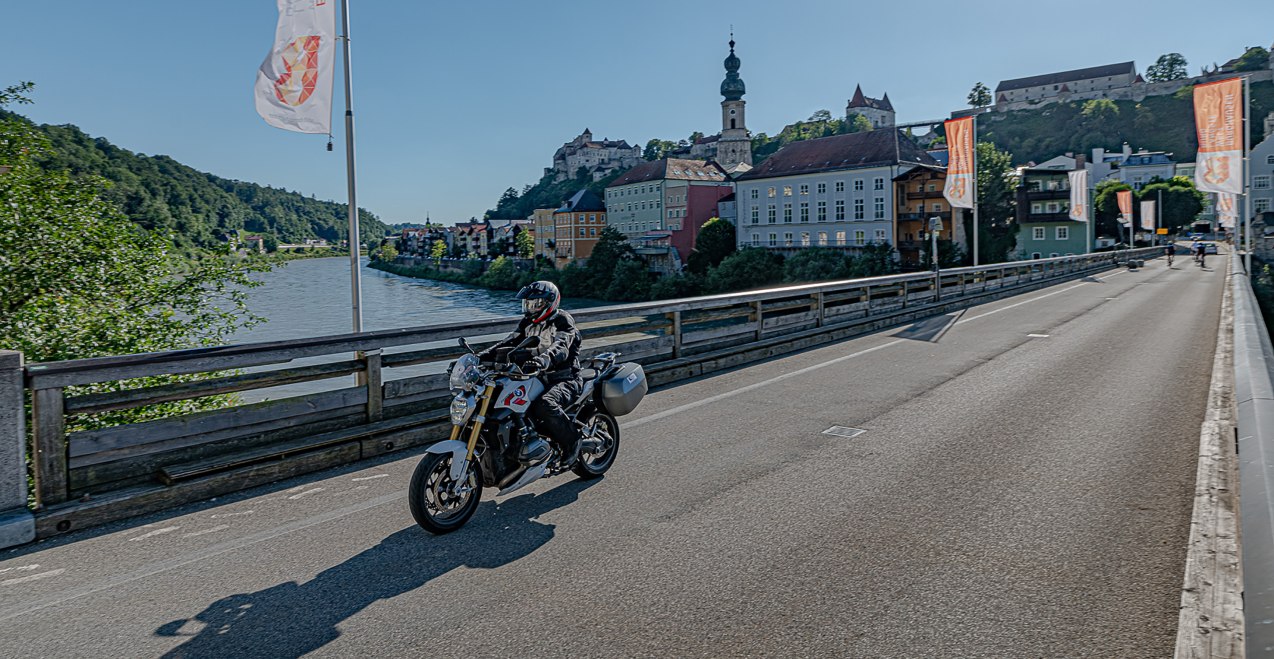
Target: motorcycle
[(503, 446)]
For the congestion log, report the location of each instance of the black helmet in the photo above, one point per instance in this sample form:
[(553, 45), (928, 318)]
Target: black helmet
[(540, 299)]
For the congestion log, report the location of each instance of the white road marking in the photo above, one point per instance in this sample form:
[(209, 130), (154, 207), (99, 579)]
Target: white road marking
[(1037, 298), (194, 557), (154, 533), (1038, 336), (367, 478), (220, 515), (779, 378), (34, 577), (21, 568), (306, 493), (214, 529)]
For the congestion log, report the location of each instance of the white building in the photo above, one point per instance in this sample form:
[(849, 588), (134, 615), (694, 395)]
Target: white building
[(1262, 159), (828, 192), (598, 157), (879, 111), (1080, 83)]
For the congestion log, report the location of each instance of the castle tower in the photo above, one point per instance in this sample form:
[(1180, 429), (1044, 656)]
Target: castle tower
[(735, 145)]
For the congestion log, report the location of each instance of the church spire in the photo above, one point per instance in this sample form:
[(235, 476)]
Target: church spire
[(732, 87)]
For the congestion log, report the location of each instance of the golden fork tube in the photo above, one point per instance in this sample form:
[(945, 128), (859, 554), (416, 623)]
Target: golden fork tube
[(477, 425)]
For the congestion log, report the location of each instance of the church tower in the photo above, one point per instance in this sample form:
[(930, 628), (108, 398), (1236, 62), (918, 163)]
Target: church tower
[(735, 146)]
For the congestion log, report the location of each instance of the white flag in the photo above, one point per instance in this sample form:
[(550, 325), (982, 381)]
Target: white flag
[(1148, 215), (1079, 194), (1226, 210), (294, 84)]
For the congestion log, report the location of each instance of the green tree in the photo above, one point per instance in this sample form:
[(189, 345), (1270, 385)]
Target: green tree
[(78, 279), (270, 242), (656, 149), (385, 253), (1106, 208), (1171, 66), (950, 255), (677, 286), (1182, 202), (996, 185), (857, 124), (524, 245), (630, 282), (821, 115), (501, 274), (750, 267), (438, 251), (874, 260), (979, 96), (816, 264), (1099, 110), (1255, 58), (716, 241), (611, 248)]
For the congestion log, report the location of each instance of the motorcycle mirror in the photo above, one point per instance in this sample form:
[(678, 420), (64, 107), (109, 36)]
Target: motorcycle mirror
[(465, 344)]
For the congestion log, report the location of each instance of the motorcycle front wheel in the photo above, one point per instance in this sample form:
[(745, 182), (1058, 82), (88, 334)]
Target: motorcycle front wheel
[(601, 437), (439, 504)]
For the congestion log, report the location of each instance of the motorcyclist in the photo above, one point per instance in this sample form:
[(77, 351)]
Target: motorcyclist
[(556, 353)]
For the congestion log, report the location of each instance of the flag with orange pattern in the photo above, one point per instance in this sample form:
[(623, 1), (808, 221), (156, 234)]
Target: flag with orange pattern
[(294, 84), (1218, 121)]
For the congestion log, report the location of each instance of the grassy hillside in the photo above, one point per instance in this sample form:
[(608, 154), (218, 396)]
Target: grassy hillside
[(1158, 123), (158, 192)]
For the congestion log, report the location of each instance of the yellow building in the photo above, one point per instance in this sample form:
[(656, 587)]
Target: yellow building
[(577, 225)]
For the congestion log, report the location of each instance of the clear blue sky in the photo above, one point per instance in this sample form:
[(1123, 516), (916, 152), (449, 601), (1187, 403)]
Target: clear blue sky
[(456, 101)]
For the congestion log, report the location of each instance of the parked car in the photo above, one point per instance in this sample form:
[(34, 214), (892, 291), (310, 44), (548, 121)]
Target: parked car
[(1209, 248)]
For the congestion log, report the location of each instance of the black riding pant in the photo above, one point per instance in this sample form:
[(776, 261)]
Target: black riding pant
[(550, 412)]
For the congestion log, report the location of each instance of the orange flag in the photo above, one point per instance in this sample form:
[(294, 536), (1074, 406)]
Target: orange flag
[(1124, 197), (960, 175), (1218, 120)]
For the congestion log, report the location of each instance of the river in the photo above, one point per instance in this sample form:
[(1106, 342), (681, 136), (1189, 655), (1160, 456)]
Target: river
[(311, 297)]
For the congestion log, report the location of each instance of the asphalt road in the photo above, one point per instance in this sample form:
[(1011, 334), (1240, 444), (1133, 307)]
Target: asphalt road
[(1023, 490)]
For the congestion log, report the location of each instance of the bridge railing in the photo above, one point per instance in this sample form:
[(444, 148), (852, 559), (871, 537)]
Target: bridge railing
[(398, 395), (1254, 402)]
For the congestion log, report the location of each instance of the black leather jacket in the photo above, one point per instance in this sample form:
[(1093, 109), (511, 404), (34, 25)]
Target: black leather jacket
[(558, 349)]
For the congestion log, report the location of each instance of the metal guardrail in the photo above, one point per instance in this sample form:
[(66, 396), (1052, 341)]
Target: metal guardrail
[(1254, 399), (380, 414)]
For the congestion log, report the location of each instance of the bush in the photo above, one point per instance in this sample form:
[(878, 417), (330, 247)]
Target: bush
[(816, 264), (677, 286), (874, 260), (502, 275), (630, 282), (752, 267)]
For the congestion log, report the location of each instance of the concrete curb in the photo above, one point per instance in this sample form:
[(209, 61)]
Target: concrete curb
[(1210, 624), (17, 527)]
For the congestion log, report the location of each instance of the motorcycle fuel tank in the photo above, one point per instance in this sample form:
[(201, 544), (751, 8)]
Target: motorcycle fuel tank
[(517, 395)]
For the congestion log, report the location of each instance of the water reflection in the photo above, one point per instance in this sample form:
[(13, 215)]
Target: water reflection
[(311, 297)]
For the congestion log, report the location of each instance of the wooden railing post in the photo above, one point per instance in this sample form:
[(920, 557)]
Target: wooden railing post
[(758, 310), (17, 525), (372, 376), (818, 308), (676, 335), (48, 423)]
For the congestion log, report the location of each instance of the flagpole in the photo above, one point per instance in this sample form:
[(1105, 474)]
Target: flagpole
[(1158, 216), (1247, 175), (356, 288), (975, 191)]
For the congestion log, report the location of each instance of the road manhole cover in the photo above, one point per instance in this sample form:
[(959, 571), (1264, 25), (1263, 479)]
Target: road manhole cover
[(844, 431)]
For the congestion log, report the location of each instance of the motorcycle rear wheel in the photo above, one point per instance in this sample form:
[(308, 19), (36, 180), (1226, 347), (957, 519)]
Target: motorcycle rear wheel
[(433, 504), (603, 427)]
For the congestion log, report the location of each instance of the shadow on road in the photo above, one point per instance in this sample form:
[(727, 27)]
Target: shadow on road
[(929, 329), (291, 619)]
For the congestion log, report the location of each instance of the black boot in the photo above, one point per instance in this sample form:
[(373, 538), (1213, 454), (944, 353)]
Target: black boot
[(570, 454)]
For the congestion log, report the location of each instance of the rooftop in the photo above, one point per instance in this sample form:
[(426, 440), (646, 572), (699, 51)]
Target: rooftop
[(873, 148), (682, 169), (1103, 71)]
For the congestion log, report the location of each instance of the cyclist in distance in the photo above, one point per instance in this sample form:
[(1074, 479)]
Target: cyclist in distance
[(1169, 250)]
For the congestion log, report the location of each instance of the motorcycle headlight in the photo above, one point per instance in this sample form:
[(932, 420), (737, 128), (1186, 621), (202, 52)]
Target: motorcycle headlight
[(462, 407), (465, 373)]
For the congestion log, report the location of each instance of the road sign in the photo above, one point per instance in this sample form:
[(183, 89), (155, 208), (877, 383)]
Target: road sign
[(935, 224), (1161, 231)]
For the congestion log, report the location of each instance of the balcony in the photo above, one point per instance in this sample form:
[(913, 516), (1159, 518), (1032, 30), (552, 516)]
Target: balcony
[(1062, 216), (927, 194), (921, 217), (1047, 195)]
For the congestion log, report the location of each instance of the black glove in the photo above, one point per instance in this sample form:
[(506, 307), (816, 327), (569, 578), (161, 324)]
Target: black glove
[(520, 356), (537, 364)]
